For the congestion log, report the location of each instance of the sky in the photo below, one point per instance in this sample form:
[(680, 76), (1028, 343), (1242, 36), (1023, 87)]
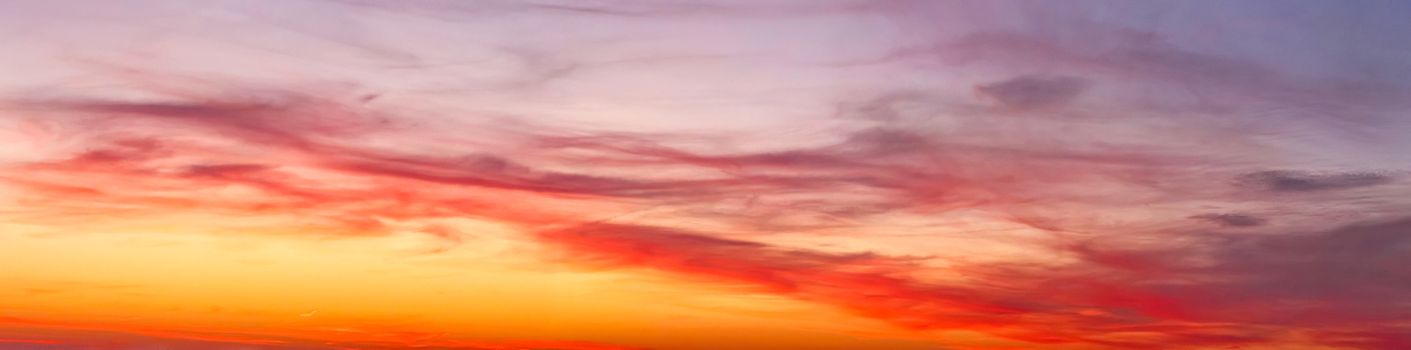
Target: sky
[(692, 174)]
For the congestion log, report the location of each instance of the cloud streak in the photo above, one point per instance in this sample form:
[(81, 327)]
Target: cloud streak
[(1295, 181), (1040, 176), (1187, 292)]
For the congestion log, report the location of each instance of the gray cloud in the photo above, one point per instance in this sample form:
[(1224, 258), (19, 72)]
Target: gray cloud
[(1231, 220), (1034, 91), (1301, 181)]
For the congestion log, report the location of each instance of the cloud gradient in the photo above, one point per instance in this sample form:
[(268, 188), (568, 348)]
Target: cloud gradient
[(846, 174)]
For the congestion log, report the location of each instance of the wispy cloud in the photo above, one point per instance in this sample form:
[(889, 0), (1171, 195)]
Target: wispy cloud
[(1169, 192)]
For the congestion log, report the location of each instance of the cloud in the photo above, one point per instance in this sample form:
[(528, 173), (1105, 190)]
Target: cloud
[(313, 158), (1273, 285), (1231, 220), (1309, 280), (1030, 92), (1300, 181), (873, 285), (1113, 258)]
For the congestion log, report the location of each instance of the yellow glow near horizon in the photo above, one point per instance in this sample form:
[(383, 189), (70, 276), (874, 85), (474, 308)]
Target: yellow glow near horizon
[(323, 289)]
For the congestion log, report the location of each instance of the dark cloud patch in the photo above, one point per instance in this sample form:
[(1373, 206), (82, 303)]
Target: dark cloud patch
[(1353, 262), (1034, 91), (1301, 181), (224, 169), (123, 151), (1231, 220), (1344, 276)]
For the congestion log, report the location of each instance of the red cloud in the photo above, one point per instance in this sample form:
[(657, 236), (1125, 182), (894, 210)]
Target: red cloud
[(1107, 294), (316, 159)]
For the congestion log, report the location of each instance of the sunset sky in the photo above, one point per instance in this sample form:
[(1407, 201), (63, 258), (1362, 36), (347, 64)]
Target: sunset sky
[(702, 175)]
